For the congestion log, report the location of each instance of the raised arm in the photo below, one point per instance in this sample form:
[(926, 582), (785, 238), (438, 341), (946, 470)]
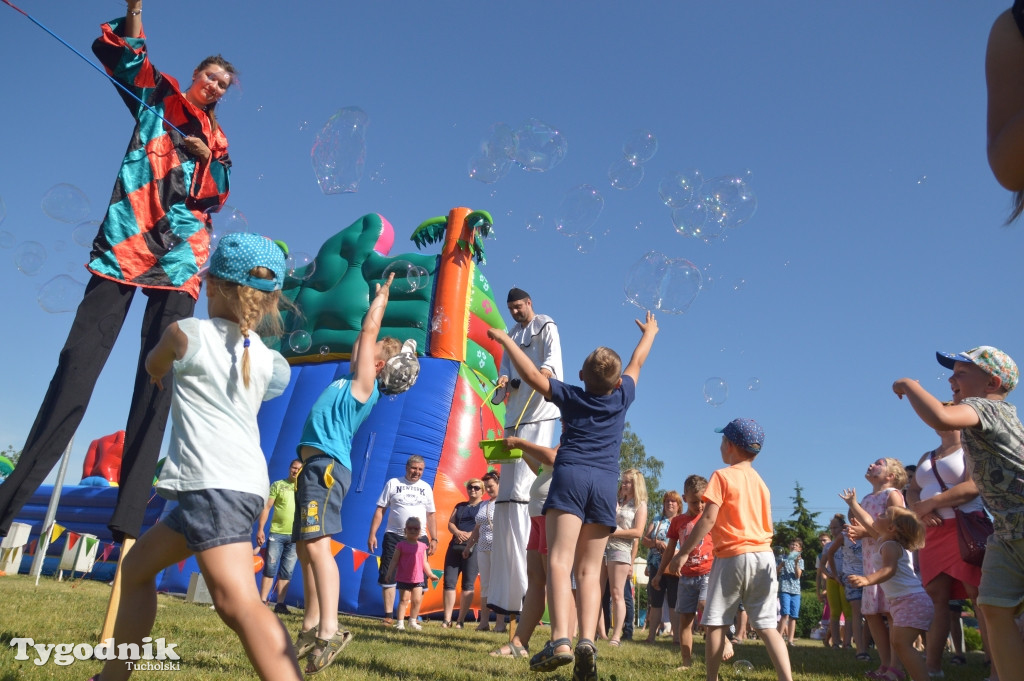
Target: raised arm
[(364, 353), (133, 19), (530, 374), (649, 329), (931, 410), (857, 511), (1004, 76)]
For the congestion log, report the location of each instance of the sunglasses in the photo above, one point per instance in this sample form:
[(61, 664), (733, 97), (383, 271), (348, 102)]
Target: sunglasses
[(475, 488)]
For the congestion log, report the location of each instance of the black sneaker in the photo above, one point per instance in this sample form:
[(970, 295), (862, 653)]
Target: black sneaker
[(282, 609)]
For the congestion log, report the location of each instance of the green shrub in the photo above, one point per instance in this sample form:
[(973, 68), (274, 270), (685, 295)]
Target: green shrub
[(810, 614), (972, 639)]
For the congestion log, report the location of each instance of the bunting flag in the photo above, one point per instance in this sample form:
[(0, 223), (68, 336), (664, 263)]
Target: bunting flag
[(378, 562), (358, 558), (181, 566), (4, 553), (336, 547), (73, 538), (107, 550), (32, 547), (439, 574), (56, 532), (90, 542)]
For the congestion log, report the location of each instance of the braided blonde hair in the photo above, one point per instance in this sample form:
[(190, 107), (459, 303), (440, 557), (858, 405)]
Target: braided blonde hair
[(255, 310)]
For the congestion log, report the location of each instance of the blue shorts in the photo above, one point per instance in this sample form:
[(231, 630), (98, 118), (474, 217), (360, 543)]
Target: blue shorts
[(588, 493), (208, 518), (691, 592), (319, 491), (280, 552), (790, 604), (853, 593)]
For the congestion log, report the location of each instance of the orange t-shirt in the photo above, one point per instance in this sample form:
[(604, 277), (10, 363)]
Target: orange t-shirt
[(699, 560), (744, 523)]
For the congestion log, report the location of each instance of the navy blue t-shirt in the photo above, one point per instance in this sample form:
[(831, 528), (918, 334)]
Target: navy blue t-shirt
[(592, 425)]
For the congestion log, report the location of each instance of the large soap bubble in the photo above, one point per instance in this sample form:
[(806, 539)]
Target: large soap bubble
[(85, 232), (578, 210), (656, 282), (29, 257), (716, 391), (60, 294), (640, 146), (300, 340), (66, 203), (494, 159), (300, 265), (625, 174), (678, 188), (732, 199), (339, 151), (539, 147), (408, 277)]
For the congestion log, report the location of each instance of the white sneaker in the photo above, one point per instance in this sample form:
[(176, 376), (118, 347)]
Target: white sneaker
[(400, 625), (416, 625)]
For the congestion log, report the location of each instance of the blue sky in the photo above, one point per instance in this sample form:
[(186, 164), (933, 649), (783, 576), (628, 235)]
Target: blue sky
[(877, 238)]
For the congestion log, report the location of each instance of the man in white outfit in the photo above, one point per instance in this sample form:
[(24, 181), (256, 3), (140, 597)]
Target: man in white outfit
[(531, 417)]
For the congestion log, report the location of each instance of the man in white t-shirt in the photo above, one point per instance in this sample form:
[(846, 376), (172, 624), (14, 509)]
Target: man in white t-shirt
[(532, 418), (408, 497)]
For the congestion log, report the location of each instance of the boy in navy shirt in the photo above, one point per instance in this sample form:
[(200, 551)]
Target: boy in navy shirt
[(580, 509)]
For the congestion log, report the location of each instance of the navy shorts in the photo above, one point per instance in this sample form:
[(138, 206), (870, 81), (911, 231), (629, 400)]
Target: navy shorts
[(214, 517), (587, 493), (319, 491)]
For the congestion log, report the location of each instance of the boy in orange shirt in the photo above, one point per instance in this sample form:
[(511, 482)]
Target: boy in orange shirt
[(738, 515), (690, 569)]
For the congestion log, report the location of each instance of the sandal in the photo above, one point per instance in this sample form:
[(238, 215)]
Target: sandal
[(894, 675), (305, 642), (514, 651), (614, 642), (585, 667), (877, 674), (326, 650), (547, 660), (446, 624), (457, 625), (862, 657)]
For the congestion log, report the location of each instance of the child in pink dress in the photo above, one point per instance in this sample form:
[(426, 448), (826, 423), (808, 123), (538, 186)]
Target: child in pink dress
[(410, 570)]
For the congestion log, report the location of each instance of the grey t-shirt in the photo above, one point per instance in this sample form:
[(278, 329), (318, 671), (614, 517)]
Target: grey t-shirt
[(995, 448)]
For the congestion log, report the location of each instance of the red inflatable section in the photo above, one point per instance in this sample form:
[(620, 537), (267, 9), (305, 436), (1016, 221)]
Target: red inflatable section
[(104, 458)]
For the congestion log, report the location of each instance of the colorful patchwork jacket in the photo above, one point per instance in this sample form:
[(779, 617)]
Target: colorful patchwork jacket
[(156, 233)]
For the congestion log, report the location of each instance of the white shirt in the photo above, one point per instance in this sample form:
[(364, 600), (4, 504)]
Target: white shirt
[(406, 500), (539, 340), (215, 440)]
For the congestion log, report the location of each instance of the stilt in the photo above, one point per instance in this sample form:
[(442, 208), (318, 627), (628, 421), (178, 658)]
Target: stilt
[(115, 593)]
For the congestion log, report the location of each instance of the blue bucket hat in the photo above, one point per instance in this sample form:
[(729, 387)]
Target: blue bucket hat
[(239, 252), (747, 434)]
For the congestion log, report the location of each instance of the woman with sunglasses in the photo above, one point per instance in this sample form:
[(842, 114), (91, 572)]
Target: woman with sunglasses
[(461, 524)]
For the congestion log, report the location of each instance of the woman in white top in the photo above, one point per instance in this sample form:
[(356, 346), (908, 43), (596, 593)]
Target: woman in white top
[(630, 521), (481, 541)]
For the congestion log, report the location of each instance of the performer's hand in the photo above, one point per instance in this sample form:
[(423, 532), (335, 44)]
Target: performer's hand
[(197, 147), (371, 543)]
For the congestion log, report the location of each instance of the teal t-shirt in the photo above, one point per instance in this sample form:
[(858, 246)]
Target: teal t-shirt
[(335, 418)]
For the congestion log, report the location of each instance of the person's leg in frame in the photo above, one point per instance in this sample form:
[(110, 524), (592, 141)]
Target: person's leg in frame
[(465, 602), (448, 599), (1004, 640), (593, 539), (284, 575), (742, 624), (686, 640), (940, 591), (618, 573), (533, 605), (483, 562), (416, 599), (328, 585), (654, 611), (153, 552), (903, 643), (857, 628), (404, 601), (627, 594), (956, 633), (880, 635), (563, 531), (311, 614), (273, 561), (229, 578)]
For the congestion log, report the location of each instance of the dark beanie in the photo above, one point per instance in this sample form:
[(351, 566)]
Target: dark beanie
[(515, 294)]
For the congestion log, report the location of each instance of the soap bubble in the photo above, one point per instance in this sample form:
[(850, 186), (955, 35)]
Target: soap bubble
[(299, 265), (7, 240), (733, 198), (585, 242), (625, 174), (677, 188), (487, 170), (493, 160), (690, 218), (439, 322), (60, 294), (716, 391), (656, 282), (539, 147), (640, 146), (578, 210), (66, 203), (534, 222), (339, 151), (754, 384), (325, 350), (85, 232), (743, 666), (300, 340), (408, 277), (739, 285), (29, 257), (230, 220)]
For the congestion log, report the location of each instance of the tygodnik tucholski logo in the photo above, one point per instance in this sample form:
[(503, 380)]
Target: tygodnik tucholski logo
[(153, 654)]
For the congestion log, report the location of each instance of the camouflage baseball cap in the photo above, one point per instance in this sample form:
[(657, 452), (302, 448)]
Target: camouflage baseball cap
[(401, 371), (992, 361)]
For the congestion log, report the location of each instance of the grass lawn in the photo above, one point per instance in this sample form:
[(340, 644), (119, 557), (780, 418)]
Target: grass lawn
[(72, 612)]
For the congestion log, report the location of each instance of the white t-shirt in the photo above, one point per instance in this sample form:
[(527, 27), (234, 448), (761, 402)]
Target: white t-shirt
[(215, 440), (539, 340), (953, 469), (406, 500)]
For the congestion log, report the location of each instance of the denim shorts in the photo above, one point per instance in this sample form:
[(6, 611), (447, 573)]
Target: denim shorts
[(208, 518), (321, 486), (790, 604), (280, 550), (691, 591)]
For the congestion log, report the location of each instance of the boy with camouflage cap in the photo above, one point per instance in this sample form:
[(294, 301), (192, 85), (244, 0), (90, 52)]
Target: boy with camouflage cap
[(993, 440)]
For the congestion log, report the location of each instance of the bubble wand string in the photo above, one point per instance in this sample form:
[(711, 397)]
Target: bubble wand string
[(90, 63)]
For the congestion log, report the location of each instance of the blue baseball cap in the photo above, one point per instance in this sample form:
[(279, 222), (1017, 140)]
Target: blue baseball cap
[(239, 252), (747, 434)]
